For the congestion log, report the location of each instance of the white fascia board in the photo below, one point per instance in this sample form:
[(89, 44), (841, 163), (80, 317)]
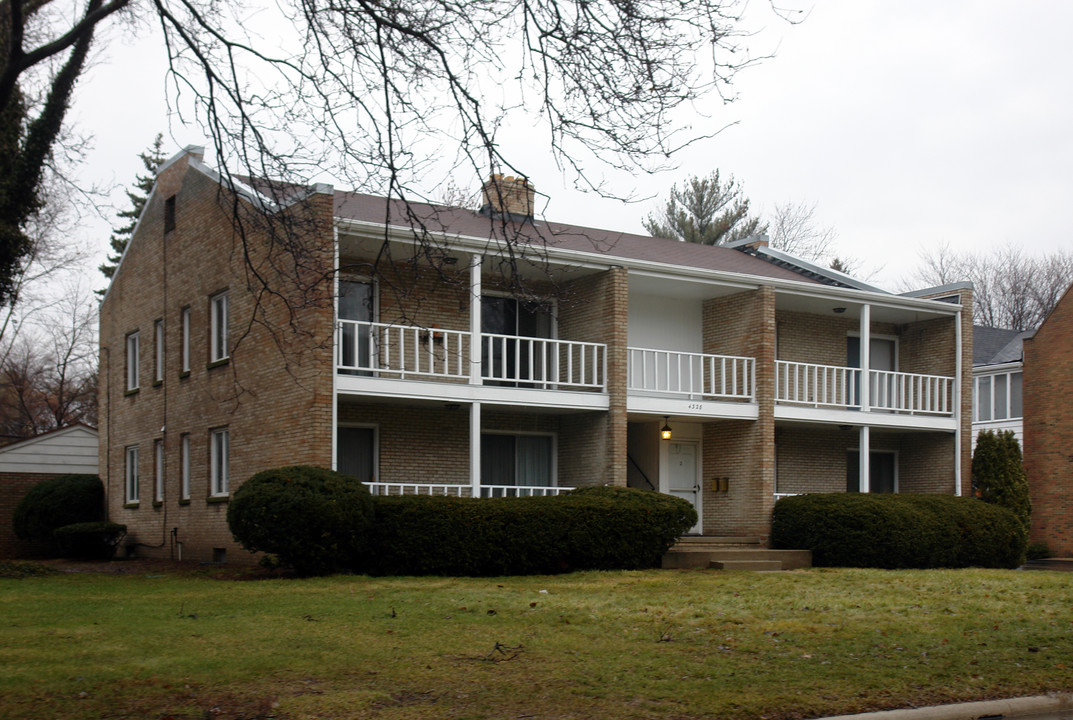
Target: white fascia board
[(1000, 369), (580, 258), (855, 418), (700, 409), (349, 386), (861, 297)]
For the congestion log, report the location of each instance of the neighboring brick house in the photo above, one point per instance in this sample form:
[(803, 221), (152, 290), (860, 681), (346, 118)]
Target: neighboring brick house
[(997, 380), (23, 464), (447, 375), (1048, 427)]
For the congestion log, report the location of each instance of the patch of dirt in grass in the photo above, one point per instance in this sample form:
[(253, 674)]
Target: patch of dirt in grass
[(155, 566)]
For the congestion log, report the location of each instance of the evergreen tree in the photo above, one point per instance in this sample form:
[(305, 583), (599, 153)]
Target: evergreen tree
[(998, 474), (707, 211), (138, 195)]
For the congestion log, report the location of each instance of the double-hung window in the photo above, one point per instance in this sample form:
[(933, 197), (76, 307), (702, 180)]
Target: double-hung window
[(184, 468), (132, 474), (158, 351), (186, 340), (132, 361), (219, 449), (158, 471), (218, 315)]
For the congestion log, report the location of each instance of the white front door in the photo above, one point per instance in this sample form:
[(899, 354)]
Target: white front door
[(682, 478)]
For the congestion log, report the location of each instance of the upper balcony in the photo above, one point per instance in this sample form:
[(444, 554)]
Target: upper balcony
[(404, 360), (699, 384), (803, 387)]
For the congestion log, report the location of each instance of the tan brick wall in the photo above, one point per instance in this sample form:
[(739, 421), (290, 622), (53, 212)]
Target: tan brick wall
[(742, 451), (925, 461), (592, 447), (1048, 428), (813, 460), (273, 395)]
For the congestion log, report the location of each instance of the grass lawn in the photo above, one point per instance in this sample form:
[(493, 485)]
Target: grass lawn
[(660, 644)]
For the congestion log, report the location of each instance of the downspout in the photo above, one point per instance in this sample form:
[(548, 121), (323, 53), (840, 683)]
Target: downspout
[(335, 349), (864, 450), (957, 404)]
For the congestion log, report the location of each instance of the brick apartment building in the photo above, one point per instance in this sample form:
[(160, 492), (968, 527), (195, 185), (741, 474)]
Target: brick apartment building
[(1048, 428), (449, 370)]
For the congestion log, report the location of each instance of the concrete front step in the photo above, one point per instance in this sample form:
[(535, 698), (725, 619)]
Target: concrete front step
[(753, 565), (703, 557)]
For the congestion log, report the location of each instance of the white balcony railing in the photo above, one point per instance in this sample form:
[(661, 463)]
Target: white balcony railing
[(521, 490), (817, 385), (454, 490), (832, 386), (543, 363), (911, 393), (462, 490), (695, 375), (401, 351), (407, 352)]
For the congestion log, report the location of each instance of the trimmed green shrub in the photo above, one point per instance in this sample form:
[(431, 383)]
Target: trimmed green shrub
[(90, 540), (898, 531), (998, 473), (56, 502), (597, 528), (315, 520), (1038, 551)]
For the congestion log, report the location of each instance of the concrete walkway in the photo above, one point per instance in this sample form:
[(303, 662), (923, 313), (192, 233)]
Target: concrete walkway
[(1056, 705)]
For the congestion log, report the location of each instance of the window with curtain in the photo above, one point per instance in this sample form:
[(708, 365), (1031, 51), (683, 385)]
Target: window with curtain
[(517, 460)]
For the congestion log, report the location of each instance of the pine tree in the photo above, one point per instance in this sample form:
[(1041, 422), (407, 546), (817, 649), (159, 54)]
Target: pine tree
[(152, 159), (998, 473), (707, 211)]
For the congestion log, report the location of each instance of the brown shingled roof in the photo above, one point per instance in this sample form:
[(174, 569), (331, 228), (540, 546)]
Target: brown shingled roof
[(609, 243)]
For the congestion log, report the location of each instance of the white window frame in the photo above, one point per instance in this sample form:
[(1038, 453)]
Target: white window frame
[(219, 315), (186, 339), (133, 354), (158, 351), (131, 473), (219, 461), (158, 471), (184, 467), (986, 401)]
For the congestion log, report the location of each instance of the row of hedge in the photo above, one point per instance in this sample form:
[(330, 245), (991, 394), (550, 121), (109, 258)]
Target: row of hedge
[(899, 531), (319, 521), (65, 513)]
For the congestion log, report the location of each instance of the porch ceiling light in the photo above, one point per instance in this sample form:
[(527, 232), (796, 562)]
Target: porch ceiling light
[(839, 310), (665, 431)]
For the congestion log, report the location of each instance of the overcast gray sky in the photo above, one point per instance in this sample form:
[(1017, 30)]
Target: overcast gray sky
[(908, 123)]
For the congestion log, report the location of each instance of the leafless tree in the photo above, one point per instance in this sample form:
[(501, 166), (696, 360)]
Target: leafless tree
[(1012, 289), (48, 375), (793, 228)]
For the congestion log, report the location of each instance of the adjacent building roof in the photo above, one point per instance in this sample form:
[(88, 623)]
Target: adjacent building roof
[(994, 346), (72, 449)]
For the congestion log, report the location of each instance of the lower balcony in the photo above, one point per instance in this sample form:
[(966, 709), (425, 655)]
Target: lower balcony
[(463, 490)]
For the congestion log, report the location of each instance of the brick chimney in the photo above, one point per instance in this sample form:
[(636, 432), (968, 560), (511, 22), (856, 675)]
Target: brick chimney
[(511, 197)]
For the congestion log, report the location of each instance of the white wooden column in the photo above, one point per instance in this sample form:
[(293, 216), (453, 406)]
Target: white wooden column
[(475, 341), (865, 454), (864, 443), (475, 448)]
